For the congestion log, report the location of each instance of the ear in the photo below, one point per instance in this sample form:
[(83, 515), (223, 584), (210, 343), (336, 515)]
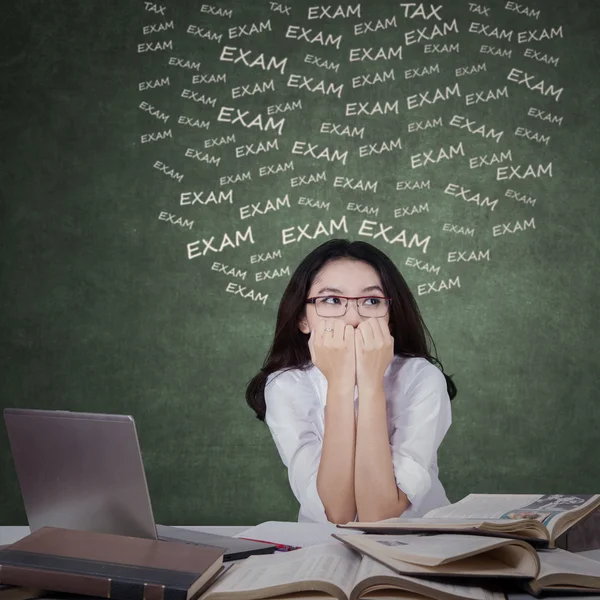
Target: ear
[(303, 326)]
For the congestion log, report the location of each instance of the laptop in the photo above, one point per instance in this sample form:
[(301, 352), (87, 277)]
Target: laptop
[(85, 471)]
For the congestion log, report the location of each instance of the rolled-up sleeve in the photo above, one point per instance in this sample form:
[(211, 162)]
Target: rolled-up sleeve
[(420, 418), (291, 405)]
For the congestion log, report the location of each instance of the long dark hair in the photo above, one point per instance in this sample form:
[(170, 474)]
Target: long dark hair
[(289, 349)]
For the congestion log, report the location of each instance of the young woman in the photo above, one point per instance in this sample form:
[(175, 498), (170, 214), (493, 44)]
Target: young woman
[(355, 402)]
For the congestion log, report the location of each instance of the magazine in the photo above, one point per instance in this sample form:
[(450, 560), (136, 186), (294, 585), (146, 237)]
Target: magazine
[(539, 519)]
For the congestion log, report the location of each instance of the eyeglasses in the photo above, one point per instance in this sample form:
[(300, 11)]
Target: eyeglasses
[(337, 306)]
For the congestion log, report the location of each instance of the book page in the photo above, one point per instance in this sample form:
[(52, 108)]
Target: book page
[(483, 506), (488, 564), (527, 529), (410, 524), (418, 524), (547, 509), (332, 563), (434, 550), (291, 533), (567, 510), (482, 566), (371, 568), (558, 561)]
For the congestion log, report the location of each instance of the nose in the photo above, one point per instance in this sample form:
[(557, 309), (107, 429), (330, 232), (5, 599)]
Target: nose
[(352, 317)]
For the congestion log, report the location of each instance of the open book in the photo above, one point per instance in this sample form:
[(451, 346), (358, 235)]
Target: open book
[(481, 557), (538, 519), (562, 571), (330, 570), (448, 555)]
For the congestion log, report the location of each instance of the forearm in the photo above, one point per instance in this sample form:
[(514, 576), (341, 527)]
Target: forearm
[(376, 492), (335, 478)]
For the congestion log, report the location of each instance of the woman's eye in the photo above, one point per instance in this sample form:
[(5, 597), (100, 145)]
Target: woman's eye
[(330, 300), (372, 301)]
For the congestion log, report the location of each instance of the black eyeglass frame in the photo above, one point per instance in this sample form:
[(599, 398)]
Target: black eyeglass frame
[(314, 299)]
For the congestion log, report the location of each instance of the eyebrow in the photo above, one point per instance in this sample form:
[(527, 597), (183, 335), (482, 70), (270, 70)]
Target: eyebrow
[(336, 291)]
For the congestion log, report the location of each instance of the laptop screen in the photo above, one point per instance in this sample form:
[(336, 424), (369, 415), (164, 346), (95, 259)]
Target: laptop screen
[(80, 471)]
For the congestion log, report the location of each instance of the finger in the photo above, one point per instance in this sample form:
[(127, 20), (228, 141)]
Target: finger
[(328, 330), (320, 329), (378, 333), (349, 333), (384, 328), (311, 349), (386, 333), (338, 330), (366, 331), (358, 338), (359, 346)]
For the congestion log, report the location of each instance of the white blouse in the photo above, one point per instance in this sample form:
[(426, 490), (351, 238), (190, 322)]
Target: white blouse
[(418, 417)]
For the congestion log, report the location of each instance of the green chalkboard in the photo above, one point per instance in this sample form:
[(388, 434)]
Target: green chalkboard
[(166, 166)]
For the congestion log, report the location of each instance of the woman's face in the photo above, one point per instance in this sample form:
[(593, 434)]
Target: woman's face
[(343, 277)]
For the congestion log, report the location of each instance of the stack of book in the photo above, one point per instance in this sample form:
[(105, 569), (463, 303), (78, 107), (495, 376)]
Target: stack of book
[(480, 548), (53, 561)]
